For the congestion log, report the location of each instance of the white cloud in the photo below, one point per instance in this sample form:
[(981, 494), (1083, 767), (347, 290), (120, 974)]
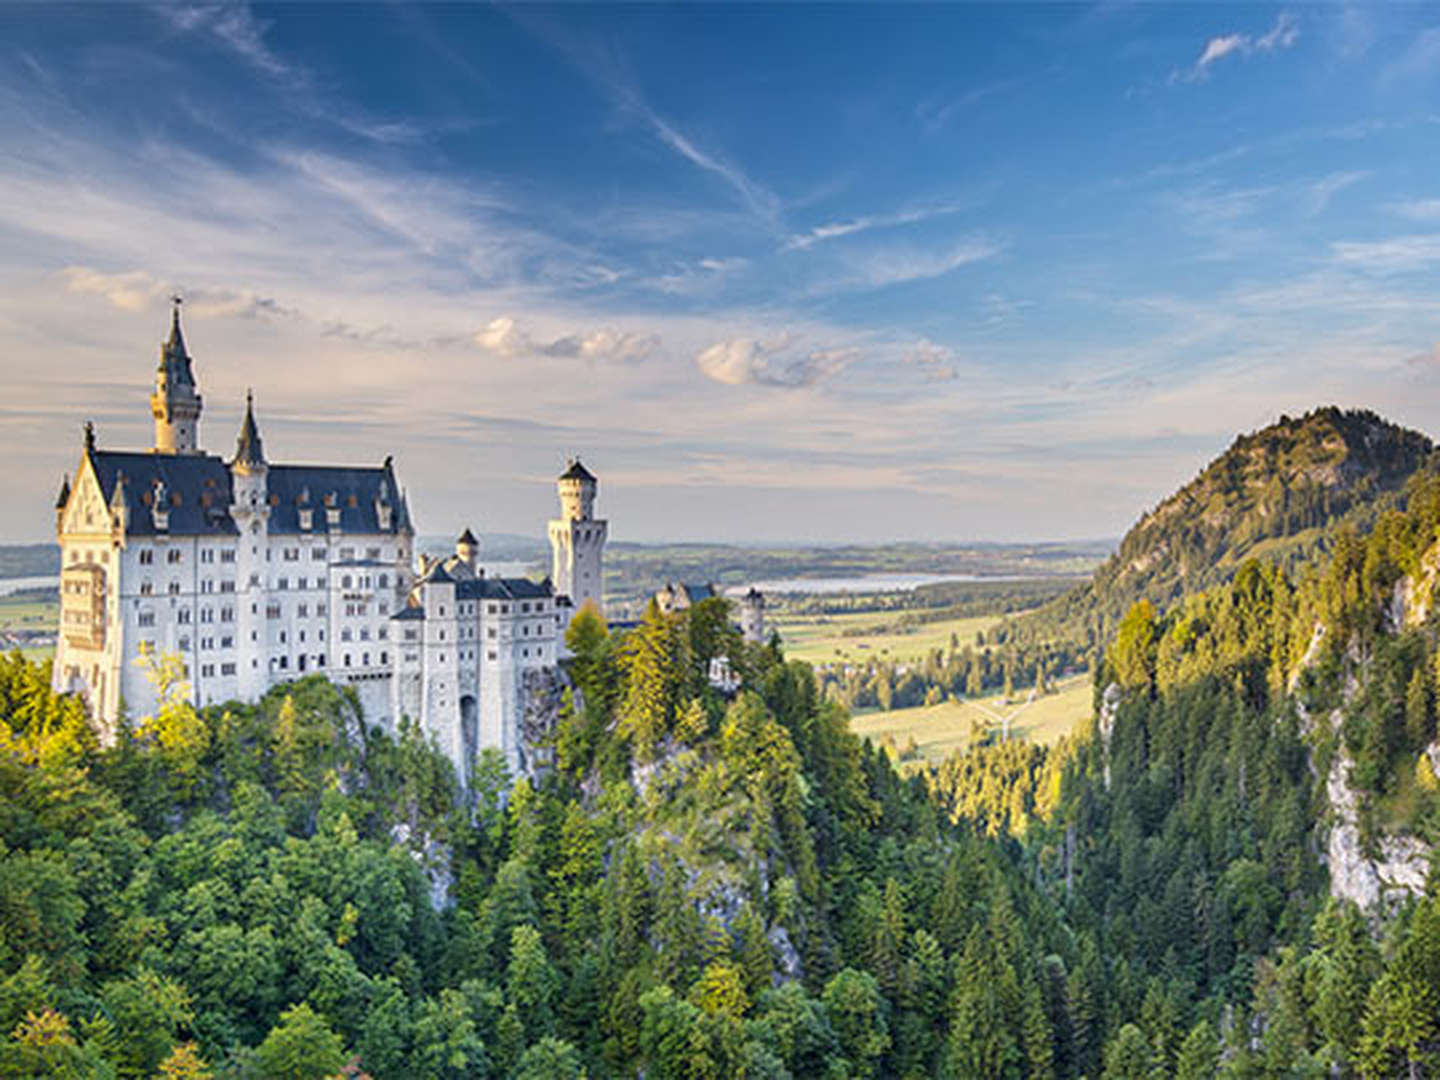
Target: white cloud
[(1418, 209), (1282, 35), (1399, 254), (741, 361), (835, 230), (504, 337), (1319, 193), (895, 267), (138, 290)]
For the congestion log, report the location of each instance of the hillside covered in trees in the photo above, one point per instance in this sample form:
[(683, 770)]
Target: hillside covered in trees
[(1280, 495), (706, 885)]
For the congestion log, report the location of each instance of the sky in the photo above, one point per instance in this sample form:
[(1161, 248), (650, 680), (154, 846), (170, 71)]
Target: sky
[(777, 273)]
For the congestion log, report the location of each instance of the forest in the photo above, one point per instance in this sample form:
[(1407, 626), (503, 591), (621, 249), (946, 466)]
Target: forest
[(709, 885)]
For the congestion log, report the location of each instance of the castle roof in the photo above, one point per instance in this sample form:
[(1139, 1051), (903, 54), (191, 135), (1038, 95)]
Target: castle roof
[(467, 537), (249, 451), (576, 471), (174, 358), (198, 489)]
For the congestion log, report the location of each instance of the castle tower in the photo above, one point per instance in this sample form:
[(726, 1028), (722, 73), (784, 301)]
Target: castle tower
[(752, 616), (176, 402), (250, 510), (467, 550), (577, 539)]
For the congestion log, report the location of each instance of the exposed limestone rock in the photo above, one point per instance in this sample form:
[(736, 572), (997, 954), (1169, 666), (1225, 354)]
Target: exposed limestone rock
[(1403, 863), (1109, 707), (788, 965), (434, 859)]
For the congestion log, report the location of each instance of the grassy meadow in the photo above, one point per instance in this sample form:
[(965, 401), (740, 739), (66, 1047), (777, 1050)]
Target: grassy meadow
[(940, 730), (27, 612), (860, 635)]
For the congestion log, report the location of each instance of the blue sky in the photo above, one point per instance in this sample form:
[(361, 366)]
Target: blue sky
[(778, 272)]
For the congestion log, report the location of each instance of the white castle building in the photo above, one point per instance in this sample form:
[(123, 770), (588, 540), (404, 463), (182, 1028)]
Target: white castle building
[(255, 573)]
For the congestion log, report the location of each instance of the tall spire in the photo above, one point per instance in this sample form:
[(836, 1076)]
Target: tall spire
[(176, 404), (249, 452)]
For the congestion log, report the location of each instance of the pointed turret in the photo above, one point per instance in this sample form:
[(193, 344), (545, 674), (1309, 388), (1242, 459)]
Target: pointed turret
[(61, 501), (249, 451), (176, 403), (467, 549)]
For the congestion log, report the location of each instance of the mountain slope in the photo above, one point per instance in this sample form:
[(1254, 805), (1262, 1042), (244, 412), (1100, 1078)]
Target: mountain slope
[(1274, 494)]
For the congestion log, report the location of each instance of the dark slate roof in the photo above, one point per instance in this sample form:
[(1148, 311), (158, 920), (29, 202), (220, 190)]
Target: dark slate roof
[(173, 356), (576, 471), (503, 589), (353, 490), (467, 537), (438, 576), (696, 593), (410, 614), (197, 486), (249, 450)]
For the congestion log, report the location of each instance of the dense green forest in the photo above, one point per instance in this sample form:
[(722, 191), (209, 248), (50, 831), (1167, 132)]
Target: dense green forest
[(706, 886)]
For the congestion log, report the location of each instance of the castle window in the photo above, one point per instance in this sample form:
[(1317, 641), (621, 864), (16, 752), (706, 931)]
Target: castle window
[(207, 643), (184, 615), (372, 553), (319, 609), (227, 586), (227, 642), (284, 662), (207, 615), (384, 581), (384, 633), (302, 636), (345, 634), (320, 660), (345, 582), (227, 555), (146, 588), (347, 554), (146, 618), (317, 554), (283, 583), (207, 670), (227, 614), (147, 557), (364, 633), (272, 611), (490, 608), (347, 659), (525, 608), (184, 644), (172, 556), (282, 637), (490, 655), (302, 610), (410, 635), (365, 659), (490, 632), (384, 658), (227, 669), (174, 589)]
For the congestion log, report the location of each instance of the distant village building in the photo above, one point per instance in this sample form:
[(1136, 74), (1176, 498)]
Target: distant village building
[(255, 573), (680, 596)]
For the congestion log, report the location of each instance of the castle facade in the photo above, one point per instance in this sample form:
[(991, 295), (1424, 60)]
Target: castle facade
[(254, 573)]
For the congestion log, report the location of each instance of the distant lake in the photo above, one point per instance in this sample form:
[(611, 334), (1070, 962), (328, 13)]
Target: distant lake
[(18, 584), (864, 583)]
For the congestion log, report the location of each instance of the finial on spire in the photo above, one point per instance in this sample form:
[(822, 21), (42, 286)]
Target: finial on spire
[(249, 452), (89, 435)]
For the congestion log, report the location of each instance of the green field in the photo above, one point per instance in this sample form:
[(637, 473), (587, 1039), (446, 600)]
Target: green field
[(27, 613), (940, 730), (858, 636)]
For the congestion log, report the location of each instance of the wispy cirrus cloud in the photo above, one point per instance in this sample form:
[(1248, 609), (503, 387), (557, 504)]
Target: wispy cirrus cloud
[(836, 229), (1395, 255), (897, 266), (1426, 210), (1282, 35)]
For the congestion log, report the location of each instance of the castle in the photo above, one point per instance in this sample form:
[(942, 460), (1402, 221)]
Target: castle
[(254, 573)]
